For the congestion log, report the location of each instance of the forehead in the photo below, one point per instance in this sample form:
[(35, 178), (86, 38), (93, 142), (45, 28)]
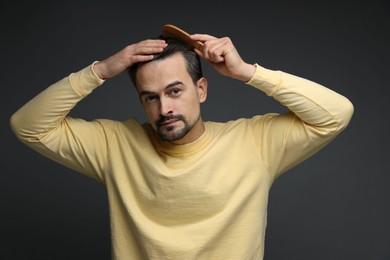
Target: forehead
[(162, 72)]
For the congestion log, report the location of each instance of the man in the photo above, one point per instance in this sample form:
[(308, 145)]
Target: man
[(179, 187)]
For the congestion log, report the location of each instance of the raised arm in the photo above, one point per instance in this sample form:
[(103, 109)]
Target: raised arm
[(317, 114), (221, 54), (43, 123)]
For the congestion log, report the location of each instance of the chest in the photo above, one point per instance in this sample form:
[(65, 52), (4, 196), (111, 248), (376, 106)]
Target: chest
[(184, 190), (225, 174)]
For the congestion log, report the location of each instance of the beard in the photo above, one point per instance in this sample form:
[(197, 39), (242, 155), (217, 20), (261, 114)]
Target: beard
[(173, 133)]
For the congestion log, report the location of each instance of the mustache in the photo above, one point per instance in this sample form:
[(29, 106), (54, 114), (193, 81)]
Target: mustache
[(163, 119)]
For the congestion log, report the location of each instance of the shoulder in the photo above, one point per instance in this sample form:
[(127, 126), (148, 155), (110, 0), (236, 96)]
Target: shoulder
[(127, 127), (240, 122), (246, 125)]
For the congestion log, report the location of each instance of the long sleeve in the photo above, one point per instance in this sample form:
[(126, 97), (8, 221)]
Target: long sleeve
[(43, 124), (317, 115)]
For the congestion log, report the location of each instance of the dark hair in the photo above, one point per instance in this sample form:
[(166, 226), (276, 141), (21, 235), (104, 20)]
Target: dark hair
[(192, 59)]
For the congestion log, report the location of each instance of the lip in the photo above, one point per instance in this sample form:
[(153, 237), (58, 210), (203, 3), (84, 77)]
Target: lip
[(169, 122)]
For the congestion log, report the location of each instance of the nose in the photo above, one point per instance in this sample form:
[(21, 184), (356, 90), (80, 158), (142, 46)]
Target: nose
[(165, 106)]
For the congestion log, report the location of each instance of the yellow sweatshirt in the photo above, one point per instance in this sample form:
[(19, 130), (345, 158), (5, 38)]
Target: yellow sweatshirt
[(203, 200)]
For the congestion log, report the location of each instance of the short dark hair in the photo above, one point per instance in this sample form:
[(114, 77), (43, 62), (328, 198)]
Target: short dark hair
[(192, 59)]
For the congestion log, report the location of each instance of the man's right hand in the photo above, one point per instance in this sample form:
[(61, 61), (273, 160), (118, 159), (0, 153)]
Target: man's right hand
[(134, 53)]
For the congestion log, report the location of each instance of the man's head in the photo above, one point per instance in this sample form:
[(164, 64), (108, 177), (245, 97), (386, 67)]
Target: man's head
[(174, 46), (171, 88)]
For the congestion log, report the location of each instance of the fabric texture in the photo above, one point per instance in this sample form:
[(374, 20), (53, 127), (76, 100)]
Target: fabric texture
[(202, 200)]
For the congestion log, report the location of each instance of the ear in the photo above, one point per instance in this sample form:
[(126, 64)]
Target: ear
[(201, 87)]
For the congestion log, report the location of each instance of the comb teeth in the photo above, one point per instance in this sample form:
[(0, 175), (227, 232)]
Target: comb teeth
[(172, 31)]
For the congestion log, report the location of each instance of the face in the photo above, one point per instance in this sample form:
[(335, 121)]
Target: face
[(171, 100)]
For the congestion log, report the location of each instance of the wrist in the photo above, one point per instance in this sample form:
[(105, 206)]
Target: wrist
[(247, 72), (98, 70)]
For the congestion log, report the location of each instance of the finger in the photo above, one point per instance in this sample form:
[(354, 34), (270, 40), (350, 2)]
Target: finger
[(201, 37), (200, 53), (148, 47), (154, 42), (143, 54), (147, 50), (215, 50), (140, 49), (140, 58)]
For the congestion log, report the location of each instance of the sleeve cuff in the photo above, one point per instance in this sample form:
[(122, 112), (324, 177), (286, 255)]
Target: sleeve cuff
[(265, 80), (85, 80)]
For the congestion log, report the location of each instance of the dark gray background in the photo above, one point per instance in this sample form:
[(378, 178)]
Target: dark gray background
[(333, 206)]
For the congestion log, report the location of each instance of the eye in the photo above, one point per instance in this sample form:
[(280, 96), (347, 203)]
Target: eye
[(150, 98), (175, 92)]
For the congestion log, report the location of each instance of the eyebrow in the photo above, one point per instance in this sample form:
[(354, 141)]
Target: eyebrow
[(175, 83)]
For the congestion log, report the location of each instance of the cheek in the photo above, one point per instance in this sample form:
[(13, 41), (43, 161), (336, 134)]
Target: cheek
[(191, 102), (151, 114), (191, 108)]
